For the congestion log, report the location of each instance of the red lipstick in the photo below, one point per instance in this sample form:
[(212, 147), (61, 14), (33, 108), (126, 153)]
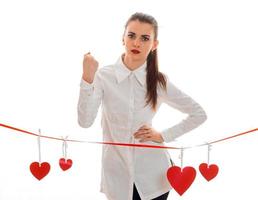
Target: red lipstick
[(135, 51)]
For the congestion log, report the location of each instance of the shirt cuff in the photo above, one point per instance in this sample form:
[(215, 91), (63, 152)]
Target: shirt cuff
[(85, 85), (171, 134)]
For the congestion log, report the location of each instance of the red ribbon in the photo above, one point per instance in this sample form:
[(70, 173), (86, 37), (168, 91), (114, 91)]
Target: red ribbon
[(128, 144)]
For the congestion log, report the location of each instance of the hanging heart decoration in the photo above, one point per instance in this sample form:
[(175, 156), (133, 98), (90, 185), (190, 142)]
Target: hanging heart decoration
[(179, 179), (65, 164), (39, 171), (208, 171)]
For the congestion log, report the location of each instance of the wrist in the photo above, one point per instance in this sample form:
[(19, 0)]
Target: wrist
[(160, 137), (87, 79)]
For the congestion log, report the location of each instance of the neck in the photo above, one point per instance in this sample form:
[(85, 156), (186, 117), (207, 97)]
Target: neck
[(130, 63)]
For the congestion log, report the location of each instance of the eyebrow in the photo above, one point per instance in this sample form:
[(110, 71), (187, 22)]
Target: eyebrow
[(145, 35)]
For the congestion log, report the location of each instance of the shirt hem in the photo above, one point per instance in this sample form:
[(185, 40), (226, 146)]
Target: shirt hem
[(106, 194), (156, 194)]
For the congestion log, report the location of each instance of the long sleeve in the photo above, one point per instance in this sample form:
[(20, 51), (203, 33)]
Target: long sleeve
[(89, 101), (184, 103)]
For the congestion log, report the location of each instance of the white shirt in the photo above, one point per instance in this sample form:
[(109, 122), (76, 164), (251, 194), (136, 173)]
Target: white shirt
[(121, 92)]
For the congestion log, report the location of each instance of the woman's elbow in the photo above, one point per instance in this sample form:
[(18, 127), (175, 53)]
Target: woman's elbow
[(84, 124), (202, 116)]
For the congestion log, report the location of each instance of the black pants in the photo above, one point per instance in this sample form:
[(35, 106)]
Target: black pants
[(136, 195)]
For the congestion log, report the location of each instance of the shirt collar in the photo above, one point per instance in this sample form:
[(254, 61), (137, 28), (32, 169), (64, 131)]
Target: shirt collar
[(123, 72)]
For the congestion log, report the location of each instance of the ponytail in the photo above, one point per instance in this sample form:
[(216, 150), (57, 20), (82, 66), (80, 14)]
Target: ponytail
[(154, 77)]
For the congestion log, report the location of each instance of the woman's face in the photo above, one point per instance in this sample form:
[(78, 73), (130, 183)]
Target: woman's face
[(139, 40)]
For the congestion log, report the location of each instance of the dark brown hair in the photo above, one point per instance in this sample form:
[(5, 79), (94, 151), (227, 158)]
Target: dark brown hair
[(154, 77)]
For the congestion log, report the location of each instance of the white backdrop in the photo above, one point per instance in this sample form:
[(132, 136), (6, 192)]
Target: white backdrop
[(208, 48)]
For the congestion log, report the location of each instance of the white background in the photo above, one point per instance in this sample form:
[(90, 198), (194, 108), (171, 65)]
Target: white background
[(208, 49)]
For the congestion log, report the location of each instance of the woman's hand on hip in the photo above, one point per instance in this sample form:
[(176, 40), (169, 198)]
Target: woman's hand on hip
[(147, 133)]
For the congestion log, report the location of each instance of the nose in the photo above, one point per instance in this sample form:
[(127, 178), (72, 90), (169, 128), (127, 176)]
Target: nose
[(137, 42)]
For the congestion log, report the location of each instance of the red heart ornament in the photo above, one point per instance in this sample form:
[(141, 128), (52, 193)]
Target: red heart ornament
[(65, 164), (39, 171), (179, 179), (208, 172)]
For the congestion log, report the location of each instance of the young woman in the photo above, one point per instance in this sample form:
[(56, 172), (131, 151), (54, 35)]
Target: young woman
[(131, 92)]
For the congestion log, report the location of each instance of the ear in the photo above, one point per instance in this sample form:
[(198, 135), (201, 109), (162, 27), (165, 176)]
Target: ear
[(155, 45), (123, 40)]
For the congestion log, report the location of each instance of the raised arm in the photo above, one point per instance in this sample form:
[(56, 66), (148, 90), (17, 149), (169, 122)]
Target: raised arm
[(91, 92)]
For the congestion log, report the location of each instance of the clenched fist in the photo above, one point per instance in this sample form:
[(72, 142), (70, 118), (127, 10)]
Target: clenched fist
[(90, 66)]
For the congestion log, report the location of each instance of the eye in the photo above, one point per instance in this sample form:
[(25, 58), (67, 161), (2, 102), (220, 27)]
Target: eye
[(145, 38), (131, 35)]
